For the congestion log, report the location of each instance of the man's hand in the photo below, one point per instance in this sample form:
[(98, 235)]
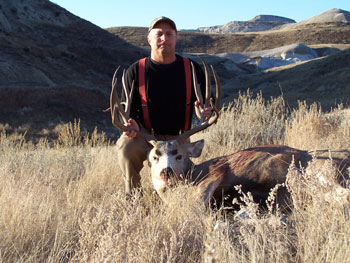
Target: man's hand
[(135, 127), (204, 113)]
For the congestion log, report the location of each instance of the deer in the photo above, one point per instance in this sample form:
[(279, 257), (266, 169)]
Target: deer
[(257, 170)]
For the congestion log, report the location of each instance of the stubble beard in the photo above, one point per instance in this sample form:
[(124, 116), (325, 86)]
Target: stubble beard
[(166, 50)]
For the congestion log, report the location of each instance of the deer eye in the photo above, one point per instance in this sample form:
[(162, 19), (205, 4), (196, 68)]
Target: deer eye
[(179, 157)]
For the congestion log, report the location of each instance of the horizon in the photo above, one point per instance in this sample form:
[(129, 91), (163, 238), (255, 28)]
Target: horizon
[(111, 13)]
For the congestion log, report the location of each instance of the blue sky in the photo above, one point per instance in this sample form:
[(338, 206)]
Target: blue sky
[(191, 14)]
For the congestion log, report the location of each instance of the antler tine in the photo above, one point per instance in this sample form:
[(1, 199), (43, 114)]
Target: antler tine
[(196, 86), (182, 137), (128, 97), (117, 107), (207, 83), (218, 88), (115, 104)]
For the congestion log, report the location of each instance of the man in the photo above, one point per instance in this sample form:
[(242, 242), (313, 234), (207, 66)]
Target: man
[(165, 90)]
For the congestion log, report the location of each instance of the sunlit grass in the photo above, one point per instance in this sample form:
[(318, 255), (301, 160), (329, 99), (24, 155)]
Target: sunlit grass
[(64, 201)]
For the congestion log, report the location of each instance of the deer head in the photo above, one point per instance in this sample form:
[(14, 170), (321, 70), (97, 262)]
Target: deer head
[(170, 161)]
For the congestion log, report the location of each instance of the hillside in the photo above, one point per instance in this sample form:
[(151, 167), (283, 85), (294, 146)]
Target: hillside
[(330, 27), (324, 80), (55, 67), (309, 34), (333, 15), (258, 23)]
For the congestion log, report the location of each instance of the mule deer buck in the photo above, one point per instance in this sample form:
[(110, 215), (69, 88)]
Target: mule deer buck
[(257, 169)]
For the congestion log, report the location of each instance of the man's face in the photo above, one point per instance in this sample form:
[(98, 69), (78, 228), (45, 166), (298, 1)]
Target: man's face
[(162, 39)]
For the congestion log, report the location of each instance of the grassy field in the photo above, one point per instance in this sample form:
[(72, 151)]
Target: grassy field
[(64, 201)]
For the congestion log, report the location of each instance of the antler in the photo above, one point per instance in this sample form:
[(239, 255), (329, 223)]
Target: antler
[(123, 107), (207, 102)]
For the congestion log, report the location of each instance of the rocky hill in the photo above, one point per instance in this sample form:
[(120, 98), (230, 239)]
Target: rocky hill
[(330, 27), (55, 67), (270, 22), (258, 23), (325, 80), (334, 15), (189, 42)]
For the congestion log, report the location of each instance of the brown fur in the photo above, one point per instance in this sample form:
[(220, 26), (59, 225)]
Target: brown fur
[(258, 170)]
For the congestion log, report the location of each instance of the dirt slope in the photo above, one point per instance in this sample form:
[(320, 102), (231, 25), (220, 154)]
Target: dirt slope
[(55, 67), (325, 80)]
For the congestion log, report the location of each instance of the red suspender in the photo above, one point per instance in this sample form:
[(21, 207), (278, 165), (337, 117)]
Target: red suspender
[(188, 92), (142, 91)]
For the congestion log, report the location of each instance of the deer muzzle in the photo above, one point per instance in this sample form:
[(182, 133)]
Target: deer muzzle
[(166, 174)]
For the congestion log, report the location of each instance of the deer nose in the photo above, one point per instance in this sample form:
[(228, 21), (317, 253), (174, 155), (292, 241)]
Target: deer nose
[(166, 173)]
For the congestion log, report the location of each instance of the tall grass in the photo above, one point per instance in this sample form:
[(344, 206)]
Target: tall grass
[(65, 202), (310, 128)]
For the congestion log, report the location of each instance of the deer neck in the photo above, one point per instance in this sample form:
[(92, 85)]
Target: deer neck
[(199, 172)]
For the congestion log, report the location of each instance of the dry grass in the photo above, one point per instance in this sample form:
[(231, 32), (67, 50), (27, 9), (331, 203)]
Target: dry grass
[(65, 203), (310, 128)]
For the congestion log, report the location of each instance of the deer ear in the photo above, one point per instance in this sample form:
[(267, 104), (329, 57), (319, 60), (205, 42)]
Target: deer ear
[(194, 149)]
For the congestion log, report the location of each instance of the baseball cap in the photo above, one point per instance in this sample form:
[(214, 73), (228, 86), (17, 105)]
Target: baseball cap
[(162, 19)]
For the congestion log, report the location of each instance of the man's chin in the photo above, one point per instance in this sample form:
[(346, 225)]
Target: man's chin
[(165, 49), (167, 52)]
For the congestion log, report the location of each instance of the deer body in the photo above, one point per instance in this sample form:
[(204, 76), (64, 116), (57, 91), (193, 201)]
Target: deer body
[(257, 170)]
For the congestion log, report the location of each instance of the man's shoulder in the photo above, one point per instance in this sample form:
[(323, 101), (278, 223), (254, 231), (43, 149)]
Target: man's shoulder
[(189, 58), (181, 58), (133, 68), (135, 64)]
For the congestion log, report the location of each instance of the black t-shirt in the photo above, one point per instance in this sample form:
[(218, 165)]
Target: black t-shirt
[(166, 94)]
